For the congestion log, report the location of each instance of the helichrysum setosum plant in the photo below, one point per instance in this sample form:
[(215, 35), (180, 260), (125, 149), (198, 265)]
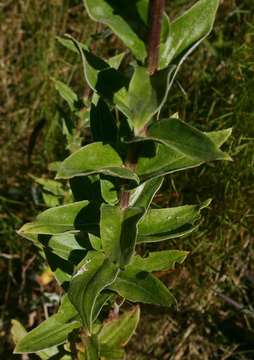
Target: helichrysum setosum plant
[(92, 243)]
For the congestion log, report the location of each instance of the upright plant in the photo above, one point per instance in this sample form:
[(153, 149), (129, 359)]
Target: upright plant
[(92, 243)]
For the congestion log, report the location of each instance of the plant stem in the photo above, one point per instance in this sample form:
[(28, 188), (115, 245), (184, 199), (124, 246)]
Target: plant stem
[(156, 8), (131, 162)]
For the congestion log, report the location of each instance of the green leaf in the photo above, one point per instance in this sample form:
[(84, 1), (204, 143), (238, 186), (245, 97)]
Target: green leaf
[(51, 332), (116, 333), (50, 200), (95, 158), (106, 12), (86, 285), (109, 191), (60, 219), (193, 26), (140, 286), (68, 245), (50, 185), (168, 223), (115, 61), (159, 260), (142, 100), (18, 332), (159, 160), (145, 96), (109, 353), (68, 44), (119, 232), (185, 139), (143, 195), (102, 78), (219, 137), (67, 94), (106, 297), (62, 269)]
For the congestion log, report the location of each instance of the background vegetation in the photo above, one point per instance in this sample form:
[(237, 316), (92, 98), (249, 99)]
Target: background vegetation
[(215, 314)]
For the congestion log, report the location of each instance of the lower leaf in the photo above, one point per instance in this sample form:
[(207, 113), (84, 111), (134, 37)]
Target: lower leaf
[(53, 331), (140, 286), (116, 333), (96, 274)]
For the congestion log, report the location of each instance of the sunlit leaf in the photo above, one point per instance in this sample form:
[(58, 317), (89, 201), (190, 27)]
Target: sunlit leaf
[(95, 158), (109, 353), (119, 232), (68, 245), (141, 286), (159, 160), (115, 61), (106, 12), (117, 332), (101, 78), (70, 217), (18, 332), (194, 25), (185, 139), (143, 195), (109, 191), (168, 223), (142, 100), (159, 260), (86, 285), (51, 332)]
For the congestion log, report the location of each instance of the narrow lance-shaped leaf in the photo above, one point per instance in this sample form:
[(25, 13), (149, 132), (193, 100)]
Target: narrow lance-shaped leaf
[(86, 285), (109, 353), (115, 61), (93, 159), (109, 191), (142, 100), (145, 96), (159, 260), (185, 139), (67, 245), (159, 160), (100, 76), (192, 26), (106, 12), (116, 333), (67, 94), (61, 268), (58, 220), (18, 332), (140, 286), (119, 232), (51, 332), (168, 223), (54, 187), (143, 195)]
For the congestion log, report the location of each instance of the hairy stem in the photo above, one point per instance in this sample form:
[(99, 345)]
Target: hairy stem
[(156, 9)]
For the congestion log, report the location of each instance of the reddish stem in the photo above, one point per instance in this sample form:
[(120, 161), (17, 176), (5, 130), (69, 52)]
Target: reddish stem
[(156, 9)]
